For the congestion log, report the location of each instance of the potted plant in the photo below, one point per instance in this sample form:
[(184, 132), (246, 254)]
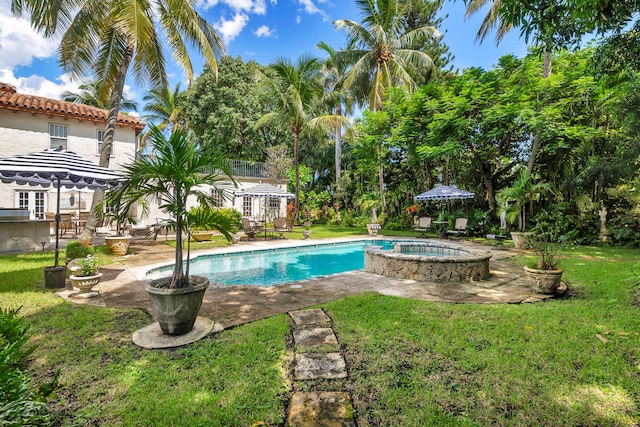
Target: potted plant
[(179, 168), (85, 274), (306, 233), (513, 201), (545, 275)]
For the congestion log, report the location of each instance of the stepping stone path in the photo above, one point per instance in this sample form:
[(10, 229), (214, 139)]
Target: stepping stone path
[(325, 408)]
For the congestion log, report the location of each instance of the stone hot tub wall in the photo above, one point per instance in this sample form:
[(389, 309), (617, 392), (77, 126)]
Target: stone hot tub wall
[(412, 261)]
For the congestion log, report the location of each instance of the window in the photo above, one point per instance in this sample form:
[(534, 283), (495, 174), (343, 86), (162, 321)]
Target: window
[(274, 202), (58, 136), (217, 197), (247, 206), (100, 138)]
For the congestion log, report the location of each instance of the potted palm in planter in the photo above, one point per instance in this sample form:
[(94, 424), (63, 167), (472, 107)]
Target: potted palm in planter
[(178, 169), (85, 274), (513, 201), (545, 276)]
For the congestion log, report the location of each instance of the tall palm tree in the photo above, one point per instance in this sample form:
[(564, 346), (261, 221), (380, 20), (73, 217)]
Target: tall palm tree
[(381, 53), (334, 72), (106, 38), (91, 93), (294, 91), (162, 104)]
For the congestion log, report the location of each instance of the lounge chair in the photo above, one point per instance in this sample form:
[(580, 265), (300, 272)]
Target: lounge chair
[(424, 223), (249, 228), (280, 226), (459, 228)]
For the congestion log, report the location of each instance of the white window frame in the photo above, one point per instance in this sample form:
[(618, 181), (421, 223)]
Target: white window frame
[(58, 137), (100, 139), (247, 206)]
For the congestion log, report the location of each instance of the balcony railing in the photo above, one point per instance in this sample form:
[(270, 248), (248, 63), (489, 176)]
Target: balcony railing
[(246, 169)]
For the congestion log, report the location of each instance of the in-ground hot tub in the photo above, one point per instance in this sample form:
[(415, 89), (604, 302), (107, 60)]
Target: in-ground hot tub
[(428, 261)]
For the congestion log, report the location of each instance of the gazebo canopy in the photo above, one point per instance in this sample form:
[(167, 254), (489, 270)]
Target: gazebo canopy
[(264, 190)]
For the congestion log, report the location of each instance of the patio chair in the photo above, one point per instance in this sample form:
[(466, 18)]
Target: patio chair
[(424, 223), (249, 228), (280, 226), (460, 227)]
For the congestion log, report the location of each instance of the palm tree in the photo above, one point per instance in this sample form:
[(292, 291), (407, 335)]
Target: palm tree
[(108, 37), (513, 200), (178, 169), (381, 53), (294, 91), (91, 93), (163, 108), (334, 72)]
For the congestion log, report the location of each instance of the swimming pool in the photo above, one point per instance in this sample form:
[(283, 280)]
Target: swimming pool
[(270, 267)]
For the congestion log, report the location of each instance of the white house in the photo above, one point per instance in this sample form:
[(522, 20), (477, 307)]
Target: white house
[(30, 123)]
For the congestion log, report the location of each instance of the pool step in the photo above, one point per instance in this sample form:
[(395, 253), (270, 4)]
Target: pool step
[(317, 358)]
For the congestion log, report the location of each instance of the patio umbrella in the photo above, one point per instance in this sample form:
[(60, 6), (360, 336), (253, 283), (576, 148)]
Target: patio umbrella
[(60, 168), (445, 192), (267, 191)]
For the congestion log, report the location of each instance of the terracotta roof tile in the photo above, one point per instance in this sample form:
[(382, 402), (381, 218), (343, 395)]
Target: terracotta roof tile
[(11, 100)]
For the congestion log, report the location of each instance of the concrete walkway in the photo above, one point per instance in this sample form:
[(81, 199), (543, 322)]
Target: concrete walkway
[(123, 285)]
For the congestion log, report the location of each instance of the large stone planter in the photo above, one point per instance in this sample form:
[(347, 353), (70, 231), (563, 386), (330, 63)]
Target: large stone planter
[(520, 239), (177, 309), (543, 281), (373, 229), (55, 277), (306, 234), (118, 245), (85, 283)]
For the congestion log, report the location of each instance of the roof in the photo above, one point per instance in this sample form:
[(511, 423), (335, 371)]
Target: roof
[(13, 101)]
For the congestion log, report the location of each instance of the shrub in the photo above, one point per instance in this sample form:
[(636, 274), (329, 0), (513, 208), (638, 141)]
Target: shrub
[(19, 404), (75, 249)]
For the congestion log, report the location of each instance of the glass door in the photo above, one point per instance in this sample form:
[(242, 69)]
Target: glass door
[(34, 201)]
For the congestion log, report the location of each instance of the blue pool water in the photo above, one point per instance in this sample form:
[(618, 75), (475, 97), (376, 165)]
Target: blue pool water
[(277, 266)]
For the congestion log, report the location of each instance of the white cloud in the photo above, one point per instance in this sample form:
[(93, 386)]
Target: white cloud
[(19, 44), (310, 7), (229, 29), (263, 31), (298, 19), (258, 7)]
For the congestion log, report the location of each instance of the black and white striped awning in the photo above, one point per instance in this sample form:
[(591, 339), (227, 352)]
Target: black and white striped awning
[(264, 190), (445, 192), (55, 167)]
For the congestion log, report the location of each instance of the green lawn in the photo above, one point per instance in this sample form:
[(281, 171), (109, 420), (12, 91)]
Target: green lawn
[(411, 363)]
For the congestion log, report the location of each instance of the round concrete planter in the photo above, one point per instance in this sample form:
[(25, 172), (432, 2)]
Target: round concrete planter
[(520, 239), (306, 234), (201, 236), (177, 309), (118, 245), (544, 281), (373, 229), (85, 283), (55, 277)]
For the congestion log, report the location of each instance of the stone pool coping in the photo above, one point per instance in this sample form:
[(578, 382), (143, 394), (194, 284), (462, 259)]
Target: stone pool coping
[(121, 286)]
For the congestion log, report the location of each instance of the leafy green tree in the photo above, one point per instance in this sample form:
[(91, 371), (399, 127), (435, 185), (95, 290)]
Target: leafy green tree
[(513, 200), (223, 111), (110, 37)]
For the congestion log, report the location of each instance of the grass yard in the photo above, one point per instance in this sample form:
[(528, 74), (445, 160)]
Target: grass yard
[(411, 363)]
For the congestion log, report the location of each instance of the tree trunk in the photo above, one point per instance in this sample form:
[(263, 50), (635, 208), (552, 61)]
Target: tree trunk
[(107, 143), (178, 273), (537, 142), (338, 145), (296, 162), (381, 179)]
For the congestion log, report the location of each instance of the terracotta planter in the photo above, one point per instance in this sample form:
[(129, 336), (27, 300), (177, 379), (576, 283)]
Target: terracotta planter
[(544, 281), (55, 277), (520, 239), (85, 283), (177, 309), (201, 236), (118, 245)]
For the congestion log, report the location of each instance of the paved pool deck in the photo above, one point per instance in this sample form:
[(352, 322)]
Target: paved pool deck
[(123, 281)]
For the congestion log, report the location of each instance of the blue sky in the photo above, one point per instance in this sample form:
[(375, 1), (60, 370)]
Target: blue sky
[(253, 29)]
